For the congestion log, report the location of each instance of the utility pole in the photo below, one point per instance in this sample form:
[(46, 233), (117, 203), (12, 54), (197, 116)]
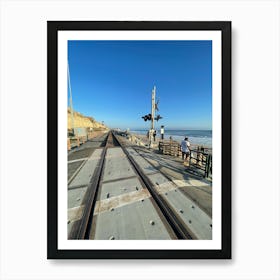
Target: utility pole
[(152, 115), (153, 107), (71, 101)]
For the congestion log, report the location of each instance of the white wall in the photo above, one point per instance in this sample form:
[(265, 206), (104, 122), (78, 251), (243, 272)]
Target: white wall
[(255, 126)]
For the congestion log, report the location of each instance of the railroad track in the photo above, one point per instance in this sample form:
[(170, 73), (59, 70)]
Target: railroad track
[(102, 204)]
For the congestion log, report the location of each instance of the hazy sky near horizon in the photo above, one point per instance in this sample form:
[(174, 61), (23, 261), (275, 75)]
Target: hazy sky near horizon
[(112, 81)]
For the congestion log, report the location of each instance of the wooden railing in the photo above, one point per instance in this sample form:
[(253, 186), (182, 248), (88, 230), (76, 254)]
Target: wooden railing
[(75, 141), (171, 148), (200, 158)]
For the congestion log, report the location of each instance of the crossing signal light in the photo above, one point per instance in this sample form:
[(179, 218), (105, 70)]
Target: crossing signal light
[(158, 117), (147, 117)]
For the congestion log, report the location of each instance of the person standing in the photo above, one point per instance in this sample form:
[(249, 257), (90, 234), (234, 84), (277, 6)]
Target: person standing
[(154, 134), (185, 148), (162, 132)]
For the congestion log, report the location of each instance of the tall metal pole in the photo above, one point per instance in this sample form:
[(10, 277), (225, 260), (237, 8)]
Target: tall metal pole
[(153, 107), (71, 101), (153, 115)]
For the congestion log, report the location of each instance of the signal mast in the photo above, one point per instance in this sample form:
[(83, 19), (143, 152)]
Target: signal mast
[(151, 117)]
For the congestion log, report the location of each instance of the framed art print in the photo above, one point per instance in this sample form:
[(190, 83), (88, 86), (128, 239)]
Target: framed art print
[(139, 140)]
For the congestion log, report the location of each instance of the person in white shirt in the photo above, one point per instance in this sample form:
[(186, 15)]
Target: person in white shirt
[(185, 148), (162, 132)]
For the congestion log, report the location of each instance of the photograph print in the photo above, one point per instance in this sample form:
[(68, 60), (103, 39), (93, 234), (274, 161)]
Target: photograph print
[(143, 127)]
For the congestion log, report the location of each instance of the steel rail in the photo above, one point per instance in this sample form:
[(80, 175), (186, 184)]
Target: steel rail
[(80, 227), (177, 226)]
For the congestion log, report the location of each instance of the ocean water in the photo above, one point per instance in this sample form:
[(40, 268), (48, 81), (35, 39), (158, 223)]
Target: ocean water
[(196, 137)]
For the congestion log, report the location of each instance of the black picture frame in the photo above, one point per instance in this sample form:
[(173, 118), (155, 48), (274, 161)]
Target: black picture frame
[(52, 102)]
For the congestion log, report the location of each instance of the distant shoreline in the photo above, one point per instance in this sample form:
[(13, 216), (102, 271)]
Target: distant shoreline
[(196, 137), (145, 141)]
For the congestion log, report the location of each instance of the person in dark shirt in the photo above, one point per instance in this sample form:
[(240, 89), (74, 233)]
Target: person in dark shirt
[(154, 135)]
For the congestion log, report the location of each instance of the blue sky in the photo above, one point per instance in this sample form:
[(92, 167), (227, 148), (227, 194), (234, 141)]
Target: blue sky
[(112, 81)]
